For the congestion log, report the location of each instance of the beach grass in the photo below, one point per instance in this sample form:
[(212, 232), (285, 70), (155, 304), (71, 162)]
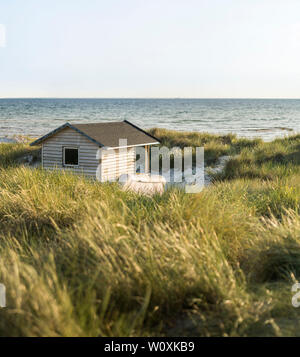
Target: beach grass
[(215, 145), (81, 258)]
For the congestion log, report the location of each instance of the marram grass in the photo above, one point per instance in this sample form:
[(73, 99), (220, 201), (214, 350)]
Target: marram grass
[(80, 258)]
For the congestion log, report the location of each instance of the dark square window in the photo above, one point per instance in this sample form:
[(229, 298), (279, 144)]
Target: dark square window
[(71, 156)]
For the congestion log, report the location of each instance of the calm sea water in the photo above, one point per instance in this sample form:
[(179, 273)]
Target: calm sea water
[(265, 118)]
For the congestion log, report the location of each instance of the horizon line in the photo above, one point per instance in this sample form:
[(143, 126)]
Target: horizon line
[(263, 98)]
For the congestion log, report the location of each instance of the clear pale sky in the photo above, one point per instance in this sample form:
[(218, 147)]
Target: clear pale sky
[(150, 48)]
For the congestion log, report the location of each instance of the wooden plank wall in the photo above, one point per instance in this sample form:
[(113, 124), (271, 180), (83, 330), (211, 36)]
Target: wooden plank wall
[(53, 148), (116, 162)]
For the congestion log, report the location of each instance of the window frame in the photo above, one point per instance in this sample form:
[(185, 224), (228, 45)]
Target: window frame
[(64, 155)]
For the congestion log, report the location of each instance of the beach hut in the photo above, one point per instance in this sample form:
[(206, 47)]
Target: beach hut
[(104, 151)]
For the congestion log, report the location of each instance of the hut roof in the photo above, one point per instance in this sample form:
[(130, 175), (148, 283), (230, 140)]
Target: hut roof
[(107, 134)]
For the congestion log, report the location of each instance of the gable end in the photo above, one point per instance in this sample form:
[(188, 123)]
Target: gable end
[(57, 130)]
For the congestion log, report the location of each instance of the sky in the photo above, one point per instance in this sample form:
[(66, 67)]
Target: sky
[(150, 49)]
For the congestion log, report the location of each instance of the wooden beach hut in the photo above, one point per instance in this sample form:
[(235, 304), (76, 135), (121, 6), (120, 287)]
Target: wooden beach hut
[(104, 151)]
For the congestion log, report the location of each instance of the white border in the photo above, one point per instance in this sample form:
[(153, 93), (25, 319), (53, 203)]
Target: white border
[(2, 36)]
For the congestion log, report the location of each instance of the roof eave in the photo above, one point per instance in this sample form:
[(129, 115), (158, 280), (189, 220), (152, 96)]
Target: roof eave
[(60, 128), (38, 141), (129, 146)]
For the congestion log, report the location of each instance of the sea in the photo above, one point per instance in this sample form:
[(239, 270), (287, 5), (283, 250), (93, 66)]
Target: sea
[(262, 118)]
